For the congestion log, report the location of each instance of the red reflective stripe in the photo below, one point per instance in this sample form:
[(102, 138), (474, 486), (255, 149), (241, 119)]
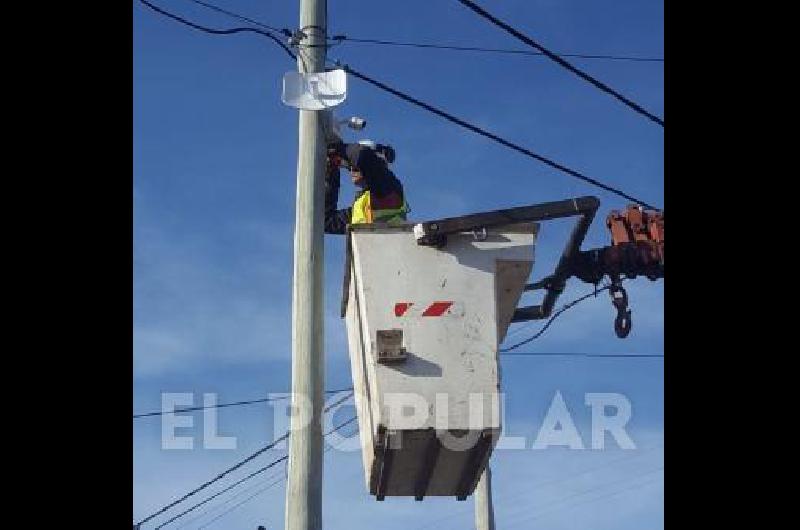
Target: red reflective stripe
[(400, 308), (437, 309)]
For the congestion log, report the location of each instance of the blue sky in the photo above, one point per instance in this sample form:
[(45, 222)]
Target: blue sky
[(213, 190)]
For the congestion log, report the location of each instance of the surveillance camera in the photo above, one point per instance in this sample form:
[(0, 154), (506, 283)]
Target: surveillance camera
[(356, 123)]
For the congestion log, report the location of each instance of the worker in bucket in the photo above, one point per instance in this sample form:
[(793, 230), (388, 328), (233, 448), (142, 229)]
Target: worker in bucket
[(379, 197)]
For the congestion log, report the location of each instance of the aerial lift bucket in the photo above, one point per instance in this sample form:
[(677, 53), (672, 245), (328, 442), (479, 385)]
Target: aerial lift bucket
[(424, 324)]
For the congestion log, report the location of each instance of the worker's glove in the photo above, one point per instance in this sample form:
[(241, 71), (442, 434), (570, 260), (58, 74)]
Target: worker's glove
[(338, 148), (337, 154)]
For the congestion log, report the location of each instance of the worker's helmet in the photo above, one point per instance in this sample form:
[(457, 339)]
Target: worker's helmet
[(374, 146), (385, 152)]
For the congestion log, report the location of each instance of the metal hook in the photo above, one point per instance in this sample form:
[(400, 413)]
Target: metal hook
[(619, 298), (623, 324)]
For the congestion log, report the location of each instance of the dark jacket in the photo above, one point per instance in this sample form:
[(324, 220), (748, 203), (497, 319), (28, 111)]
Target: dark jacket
[(385, 189)]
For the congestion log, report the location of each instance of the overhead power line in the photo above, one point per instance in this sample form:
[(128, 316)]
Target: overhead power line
[(581, 354), (191, 522), (219, 406), (248, 477), (345, 38), (238, 504), (213, 31), (515, 519), (222, 505), (215, 479), (492, 136), (357, 40), (232, 468), (555, 316), (284, 31), (434, 110), (281, 479), (548, 482), (222, 405), (212, 497), (580, 73)]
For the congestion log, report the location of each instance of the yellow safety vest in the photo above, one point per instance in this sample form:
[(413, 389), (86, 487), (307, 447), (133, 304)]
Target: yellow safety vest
[(363, 213)]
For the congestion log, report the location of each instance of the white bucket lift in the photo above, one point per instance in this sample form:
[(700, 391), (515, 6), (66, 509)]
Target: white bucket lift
[(426, 307), (423, 328)]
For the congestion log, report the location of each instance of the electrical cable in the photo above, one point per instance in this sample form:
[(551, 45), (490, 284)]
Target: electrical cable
[(213, 31), (491, 136), (236, 403), (231, 469), (555, 316), (580, 354), (338, 39), (251, 475), (284, 31), (426, 106), (580, 73)]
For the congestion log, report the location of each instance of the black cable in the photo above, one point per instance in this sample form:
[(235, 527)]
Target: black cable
[(248, 477), (280, 479), (338, 39), (345, 38), (419, 103), (338, 427), (583, 75), (222, 405), (218, 31), (579, 354), (230, 499), (551, 481), (539, 514), (427, 107), (218, 477), (229, 510), (190, 409), (231, 469), (494, 137), (555, 316), (243, 18), (204, 501), (284, 31)]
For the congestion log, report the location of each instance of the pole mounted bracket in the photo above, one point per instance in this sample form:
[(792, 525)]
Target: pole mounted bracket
[(300, 34), (296, 37)]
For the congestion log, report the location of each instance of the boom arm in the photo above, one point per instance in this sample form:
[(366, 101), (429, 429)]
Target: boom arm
[(637, 249)]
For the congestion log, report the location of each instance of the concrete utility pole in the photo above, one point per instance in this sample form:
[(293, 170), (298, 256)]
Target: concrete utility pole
[(484, 511), (304, 488)]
